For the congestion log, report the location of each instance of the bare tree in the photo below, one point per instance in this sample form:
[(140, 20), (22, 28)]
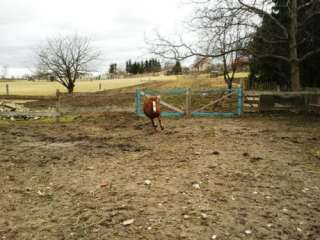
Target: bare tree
[(228, 39), (215, 36), (66, 58), (213, 18)]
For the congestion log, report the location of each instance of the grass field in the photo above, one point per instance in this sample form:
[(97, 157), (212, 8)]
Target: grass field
[(43, 88), (199, 81)]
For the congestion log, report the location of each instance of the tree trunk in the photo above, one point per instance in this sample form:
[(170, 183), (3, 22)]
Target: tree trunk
[(227, 79), (294, 58), (229, 84), (70, 88), (295, 76)]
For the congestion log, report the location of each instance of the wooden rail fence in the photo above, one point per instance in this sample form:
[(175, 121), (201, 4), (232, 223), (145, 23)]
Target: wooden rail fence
[(31, 114), (267, 101)]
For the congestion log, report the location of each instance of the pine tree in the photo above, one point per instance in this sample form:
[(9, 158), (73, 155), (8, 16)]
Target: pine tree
[(176, 70), (113, 68), (310, 71), (128, 66), (158, 66), (135, 68), (151, 65), (278, 71), (141, 67)]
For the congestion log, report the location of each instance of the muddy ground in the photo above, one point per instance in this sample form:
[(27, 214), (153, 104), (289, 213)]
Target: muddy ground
[(244, 178)]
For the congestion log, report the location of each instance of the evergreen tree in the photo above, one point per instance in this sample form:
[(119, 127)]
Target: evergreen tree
[(310, 71), (147, 66), (129, 66), (141, 67), (113, 68), (135, 68), (277, 71), (176, 70), (158, 66)]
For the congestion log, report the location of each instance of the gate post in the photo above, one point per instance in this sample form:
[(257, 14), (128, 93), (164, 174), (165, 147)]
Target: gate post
[(188, 102), (240, 100), (138, 102)]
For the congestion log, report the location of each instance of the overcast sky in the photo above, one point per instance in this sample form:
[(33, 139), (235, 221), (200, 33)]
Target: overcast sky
[(117, 27)]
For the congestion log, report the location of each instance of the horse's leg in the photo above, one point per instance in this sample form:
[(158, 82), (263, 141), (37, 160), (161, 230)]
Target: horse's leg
[(153, 123), (162, 128)]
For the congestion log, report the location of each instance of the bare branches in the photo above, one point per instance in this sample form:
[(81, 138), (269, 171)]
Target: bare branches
[(66, 58), (224, 29), (262, 13), (309, 54), (213, 18)]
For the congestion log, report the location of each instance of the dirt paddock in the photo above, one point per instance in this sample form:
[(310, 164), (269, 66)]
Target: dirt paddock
[(112, 177)]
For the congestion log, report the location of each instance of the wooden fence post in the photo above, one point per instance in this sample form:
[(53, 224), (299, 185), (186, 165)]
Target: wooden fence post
[(7, 89), (57, 105), (100, 86)]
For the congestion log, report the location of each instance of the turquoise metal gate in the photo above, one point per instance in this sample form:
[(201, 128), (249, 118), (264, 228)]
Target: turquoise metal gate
[(180, 102)]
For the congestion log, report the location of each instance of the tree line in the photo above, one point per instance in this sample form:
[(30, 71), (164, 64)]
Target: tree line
[(152, 65)]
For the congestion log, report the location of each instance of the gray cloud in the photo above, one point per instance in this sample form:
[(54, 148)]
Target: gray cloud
[(116, 27)]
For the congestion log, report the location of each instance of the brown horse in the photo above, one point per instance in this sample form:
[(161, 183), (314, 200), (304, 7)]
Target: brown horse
[(151, 109)]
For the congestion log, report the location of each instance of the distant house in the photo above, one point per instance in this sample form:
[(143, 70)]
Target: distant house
[(202, 64), (86, 76), (242, 63), (242, 60)]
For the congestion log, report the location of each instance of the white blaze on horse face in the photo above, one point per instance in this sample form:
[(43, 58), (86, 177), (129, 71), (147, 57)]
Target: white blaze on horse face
[(154, 106)]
